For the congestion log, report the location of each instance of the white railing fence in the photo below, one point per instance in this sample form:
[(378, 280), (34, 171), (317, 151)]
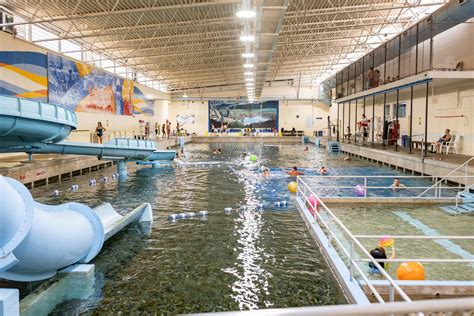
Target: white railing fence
[(332, 222), (462, 307), (352, 249), (465, 165), (370, 186)]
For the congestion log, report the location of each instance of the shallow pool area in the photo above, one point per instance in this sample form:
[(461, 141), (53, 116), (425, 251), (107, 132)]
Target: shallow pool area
[(259, 255)]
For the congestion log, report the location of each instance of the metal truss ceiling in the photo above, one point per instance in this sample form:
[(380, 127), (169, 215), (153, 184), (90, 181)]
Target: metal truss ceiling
[(195, 43)]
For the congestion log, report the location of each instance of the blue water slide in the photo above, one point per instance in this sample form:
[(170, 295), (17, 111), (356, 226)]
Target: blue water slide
[(38, 127), (37, 240)]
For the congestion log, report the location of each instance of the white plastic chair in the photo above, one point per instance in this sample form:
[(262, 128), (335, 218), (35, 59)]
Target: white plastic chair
[(450, 146)]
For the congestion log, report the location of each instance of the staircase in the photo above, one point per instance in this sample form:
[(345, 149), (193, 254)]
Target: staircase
[(466, 207), (334, 147)]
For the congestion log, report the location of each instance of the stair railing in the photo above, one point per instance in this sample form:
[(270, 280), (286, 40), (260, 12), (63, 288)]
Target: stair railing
[(458, 196), (438, 183)]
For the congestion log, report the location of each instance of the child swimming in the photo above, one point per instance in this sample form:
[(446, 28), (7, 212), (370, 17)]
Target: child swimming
[(380, 253), (323, 170)]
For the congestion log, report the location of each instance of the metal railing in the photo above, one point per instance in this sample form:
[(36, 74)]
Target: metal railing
[(366, 186), (465, 165), (467, 189), (330, 224), (396, 308)]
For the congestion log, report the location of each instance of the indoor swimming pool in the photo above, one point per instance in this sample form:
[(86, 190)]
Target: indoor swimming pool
[(259, 255)]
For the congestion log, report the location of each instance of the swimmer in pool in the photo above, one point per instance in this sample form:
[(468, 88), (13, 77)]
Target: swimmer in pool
[(306, 149), (266, 172), (323, 170), (294, 172), (380, 253), (347, 158), (397, 185), (217, 151)]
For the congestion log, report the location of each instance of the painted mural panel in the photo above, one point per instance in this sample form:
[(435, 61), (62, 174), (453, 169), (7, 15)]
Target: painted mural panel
[(83, 88), (23, 74), (238, 115)]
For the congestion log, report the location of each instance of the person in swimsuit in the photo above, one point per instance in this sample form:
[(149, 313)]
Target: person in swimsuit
[(323, 170), (100, 132), (442, 140), (380, 253), (294, 172)]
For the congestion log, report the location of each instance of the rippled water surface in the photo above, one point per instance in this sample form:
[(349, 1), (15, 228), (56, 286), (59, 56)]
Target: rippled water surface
[(244, 260)]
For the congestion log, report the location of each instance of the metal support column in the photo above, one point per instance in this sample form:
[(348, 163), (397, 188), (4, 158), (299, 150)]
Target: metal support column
[(373, 120), (426, 120), (411, 117), (397, 131), (349, 123), (355, 125), (338, 123), (383, 120)]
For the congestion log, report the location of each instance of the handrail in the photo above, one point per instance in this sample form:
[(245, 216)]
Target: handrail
[(395, 308), (354, 241), (358, 179), (465, 164), (466, 189)]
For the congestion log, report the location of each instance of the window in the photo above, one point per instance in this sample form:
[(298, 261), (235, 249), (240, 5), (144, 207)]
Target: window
[(388, 117), (402, 110)]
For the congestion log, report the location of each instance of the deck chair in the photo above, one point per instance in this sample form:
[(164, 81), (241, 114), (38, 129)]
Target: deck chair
[(450, 146)]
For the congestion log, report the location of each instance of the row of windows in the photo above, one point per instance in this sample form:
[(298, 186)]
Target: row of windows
[(74, 50)]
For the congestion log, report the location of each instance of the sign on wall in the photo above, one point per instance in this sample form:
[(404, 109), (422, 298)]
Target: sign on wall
[(238, 115)]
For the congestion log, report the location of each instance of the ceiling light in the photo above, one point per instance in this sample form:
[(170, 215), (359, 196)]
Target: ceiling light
[(249, 79), (246, 35), (248, 73), (185, 95), (246, 10), (248, 65), (248, 52)]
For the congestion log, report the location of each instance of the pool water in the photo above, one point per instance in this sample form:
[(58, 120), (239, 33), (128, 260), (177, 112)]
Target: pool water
[(415, 220), (247, 259)]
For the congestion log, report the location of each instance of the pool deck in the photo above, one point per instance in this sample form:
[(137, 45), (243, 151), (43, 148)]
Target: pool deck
[(385, 200), (247, 139), (437, 165)]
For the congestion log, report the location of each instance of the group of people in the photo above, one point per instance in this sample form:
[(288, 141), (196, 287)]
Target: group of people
[(374, 80)]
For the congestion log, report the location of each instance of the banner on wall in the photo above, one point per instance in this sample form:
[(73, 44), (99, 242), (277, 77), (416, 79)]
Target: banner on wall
[(184, 119), (24, 75), (83, 88), (238, 115)]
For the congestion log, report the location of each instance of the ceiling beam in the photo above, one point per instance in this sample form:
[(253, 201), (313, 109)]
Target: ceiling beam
[(101, 14)]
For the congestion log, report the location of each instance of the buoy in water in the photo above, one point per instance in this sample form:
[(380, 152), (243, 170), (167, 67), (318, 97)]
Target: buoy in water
[(172, 217), (292, 186), (411, 271), (227, 209), (203, 213)]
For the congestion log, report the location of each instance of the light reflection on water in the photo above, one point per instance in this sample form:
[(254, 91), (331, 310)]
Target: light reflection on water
[(251, 278)]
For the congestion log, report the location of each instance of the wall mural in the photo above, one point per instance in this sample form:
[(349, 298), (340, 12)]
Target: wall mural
[(238, 115), (26, 73), (83, 88)]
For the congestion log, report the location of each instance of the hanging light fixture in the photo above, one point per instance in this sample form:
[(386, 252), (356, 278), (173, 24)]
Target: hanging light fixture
[(246, 36), (248, 52), (246, 10)]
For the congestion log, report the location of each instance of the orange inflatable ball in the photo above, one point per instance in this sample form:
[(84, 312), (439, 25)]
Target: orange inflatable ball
[(292, 186), (411, 271)]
